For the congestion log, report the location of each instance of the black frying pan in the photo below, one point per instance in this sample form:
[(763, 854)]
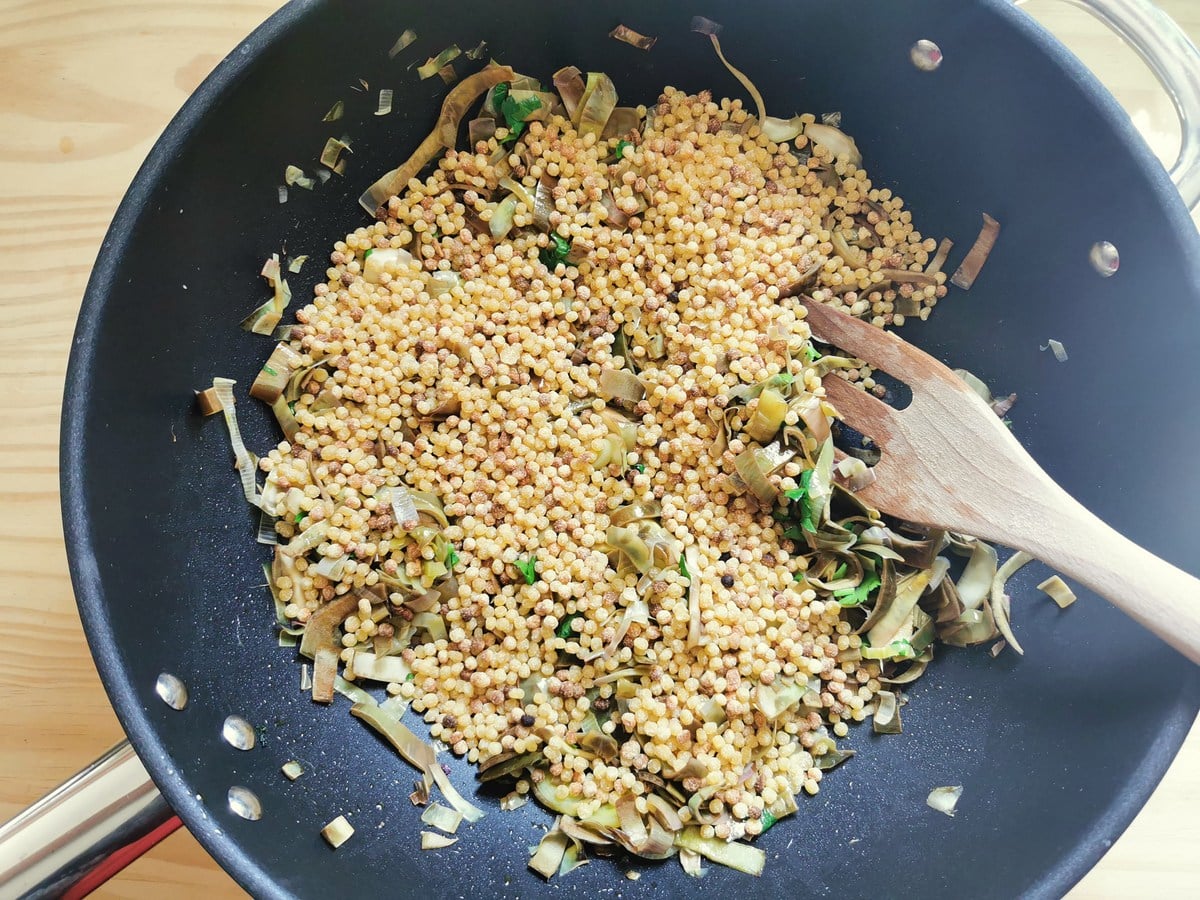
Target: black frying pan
[(1057, 750)]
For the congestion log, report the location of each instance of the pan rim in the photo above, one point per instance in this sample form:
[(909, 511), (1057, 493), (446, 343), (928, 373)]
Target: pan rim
[(85, 575)]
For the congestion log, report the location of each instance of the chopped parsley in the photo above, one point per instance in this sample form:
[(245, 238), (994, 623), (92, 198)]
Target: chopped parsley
[(622, 146), (641, 467), (528, 568), (767, 820), (565, 630), (800, 496), (556, 252), (515, 112), (810, 353), (451, 557), (300, 517), (683, 569), (857, 596)]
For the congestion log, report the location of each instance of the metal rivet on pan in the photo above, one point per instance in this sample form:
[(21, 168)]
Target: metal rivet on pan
[(245, 803), (925, 55), (1104, 258), (172, 691), (238, 733)]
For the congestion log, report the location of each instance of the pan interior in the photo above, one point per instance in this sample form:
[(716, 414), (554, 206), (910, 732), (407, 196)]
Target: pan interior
[(1056, 750)]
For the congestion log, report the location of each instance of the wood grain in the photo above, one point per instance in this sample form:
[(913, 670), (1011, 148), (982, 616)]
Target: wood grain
[(85, 87)]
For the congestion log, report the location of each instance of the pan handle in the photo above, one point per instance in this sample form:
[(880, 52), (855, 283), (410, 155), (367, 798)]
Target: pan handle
[(1175, 62), (85, 831)]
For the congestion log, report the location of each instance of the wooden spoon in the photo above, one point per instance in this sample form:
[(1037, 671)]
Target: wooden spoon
[(949, 462)]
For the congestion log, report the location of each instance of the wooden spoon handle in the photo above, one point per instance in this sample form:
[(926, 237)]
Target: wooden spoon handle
[(1155, 593)]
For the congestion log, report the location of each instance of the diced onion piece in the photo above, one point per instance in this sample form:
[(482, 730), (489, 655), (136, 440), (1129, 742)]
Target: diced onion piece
[(431, 841), (404, 507), (337, 832), (1058, 591), (944, 799), (406, 39), (840, 144), (631, 37), (208, 402), (283, 193), (292, 769), (335, 112), (443, 818), (965, 275), (385, 102)]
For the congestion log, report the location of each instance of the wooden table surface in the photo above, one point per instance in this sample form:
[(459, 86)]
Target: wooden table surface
[(85, 88)]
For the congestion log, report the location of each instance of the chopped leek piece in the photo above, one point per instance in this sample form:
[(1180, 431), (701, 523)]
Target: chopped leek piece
[(407, 36), (245, 462), (441, 817), (971, 266), (385, 102), (432, 841), (431, 66), (477, 53), (331, 155), (294, 176), (208, 402), (742, 857), (1060, 352), (631, 37), (1057, 590), (292, 769), (550, 852), (944, 799), (337, 832)]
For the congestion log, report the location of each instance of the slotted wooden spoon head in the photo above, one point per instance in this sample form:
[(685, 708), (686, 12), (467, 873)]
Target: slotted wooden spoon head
[(948, 461), (944, 455)]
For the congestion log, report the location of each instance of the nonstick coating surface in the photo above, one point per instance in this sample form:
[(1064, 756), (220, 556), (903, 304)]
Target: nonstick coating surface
[(1056, 750)]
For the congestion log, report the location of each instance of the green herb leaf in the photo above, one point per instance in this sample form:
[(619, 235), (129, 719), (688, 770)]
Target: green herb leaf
[(300, 517), (641, 467), (810, 353), (767, 821), (528, 568), (683, 569), (799, 496), (515, 112), (451, 557), (621, 147), (269, 370), (565, 630), (857, 596), (556, 252), (367, 255)]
